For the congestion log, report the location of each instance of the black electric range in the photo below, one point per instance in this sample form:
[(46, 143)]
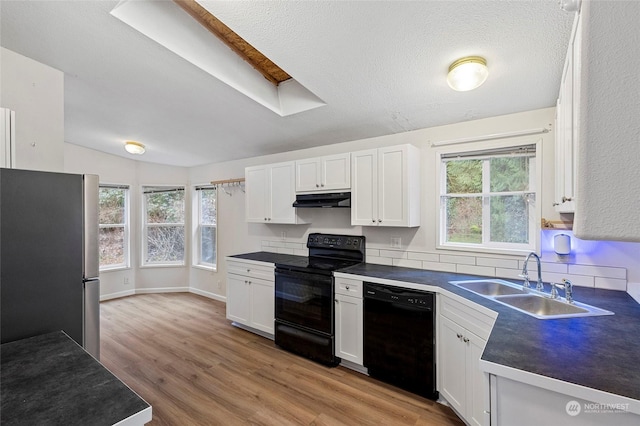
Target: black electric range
[(304, 308)]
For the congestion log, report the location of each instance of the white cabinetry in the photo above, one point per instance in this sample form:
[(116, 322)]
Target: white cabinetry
[(7, 138), (567, 126), (349, 320), (270, 194), (386, 187), (462, 335), (250, 294), (329, 173)]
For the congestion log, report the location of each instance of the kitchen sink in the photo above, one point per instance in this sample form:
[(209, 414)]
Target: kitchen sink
[(531, 302), (490, 287)]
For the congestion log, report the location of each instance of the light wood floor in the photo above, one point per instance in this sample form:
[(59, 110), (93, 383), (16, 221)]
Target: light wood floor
[(180, 353)]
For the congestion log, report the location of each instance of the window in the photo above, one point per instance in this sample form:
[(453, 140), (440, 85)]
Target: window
[(164, 234), (206, 232), (114, 229), (488, 199)]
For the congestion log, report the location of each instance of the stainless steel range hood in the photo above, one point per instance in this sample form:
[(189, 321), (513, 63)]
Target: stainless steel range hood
[(331, 200)]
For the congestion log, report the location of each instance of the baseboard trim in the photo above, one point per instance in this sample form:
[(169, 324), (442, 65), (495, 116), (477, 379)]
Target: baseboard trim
[(208, 294), (162, 290), (117, 295)]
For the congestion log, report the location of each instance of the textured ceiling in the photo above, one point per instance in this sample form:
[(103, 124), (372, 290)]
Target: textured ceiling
[(379, 65)]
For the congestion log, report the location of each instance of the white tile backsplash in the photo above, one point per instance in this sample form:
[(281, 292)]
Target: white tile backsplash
[(394, 254), (497, 263), (605, 277), (408, 263), (429, 257), (464, 260), (599, 271), (476, 270), (611, 283)]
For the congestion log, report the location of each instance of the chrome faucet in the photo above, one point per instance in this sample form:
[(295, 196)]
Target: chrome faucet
[(525, 273), (568, 290)]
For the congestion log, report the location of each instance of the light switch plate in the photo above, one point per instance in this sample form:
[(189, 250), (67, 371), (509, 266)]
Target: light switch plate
[(396, 242)]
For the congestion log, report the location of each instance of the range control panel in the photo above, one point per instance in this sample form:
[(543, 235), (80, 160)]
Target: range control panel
[(343, 242)]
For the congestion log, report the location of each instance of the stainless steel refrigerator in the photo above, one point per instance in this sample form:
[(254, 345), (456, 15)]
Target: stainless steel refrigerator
[(49, 256)]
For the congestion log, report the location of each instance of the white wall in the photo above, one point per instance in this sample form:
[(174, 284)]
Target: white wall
[(236, 236), (36, 93), (118, 170)]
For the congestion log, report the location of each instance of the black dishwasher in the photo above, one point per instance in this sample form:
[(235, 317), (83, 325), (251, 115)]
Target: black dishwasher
[(399, 337)]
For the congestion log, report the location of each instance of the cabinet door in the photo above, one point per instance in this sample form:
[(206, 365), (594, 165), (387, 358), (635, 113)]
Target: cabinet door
[(282, 194), (336, 172), (238, 299), (349, 325), (257, 194), (475, 380), (452, 364), (393, 186), (308, 175), (262, 304), (364, 188)]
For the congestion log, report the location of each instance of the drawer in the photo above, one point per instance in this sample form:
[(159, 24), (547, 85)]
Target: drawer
[(348, 287), (264, 271), (469, 318)]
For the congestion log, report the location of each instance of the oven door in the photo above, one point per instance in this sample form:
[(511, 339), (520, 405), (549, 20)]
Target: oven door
[(304, 299)]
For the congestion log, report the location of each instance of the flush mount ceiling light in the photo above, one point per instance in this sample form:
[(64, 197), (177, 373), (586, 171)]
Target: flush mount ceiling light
[(133, 147), (467, 73)]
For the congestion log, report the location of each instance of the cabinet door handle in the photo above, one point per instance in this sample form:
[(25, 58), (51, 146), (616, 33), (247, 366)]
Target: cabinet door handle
[(466, 340), (459, 335), (248, 270), (317, 186), (322, 184), (379, 220), (373, 220), (249, 282), (265, 219), (336, 300), (346, 287), (246, 282), (565, 199)]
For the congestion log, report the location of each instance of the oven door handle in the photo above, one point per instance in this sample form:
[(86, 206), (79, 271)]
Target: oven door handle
[(303, 275)]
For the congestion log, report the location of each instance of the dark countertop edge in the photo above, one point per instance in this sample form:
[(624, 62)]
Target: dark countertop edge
[(509, 346), (63, 372)]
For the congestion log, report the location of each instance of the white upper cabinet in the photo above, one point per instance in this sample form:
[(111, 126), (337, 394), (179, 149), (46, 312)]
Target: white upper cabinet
[(386, 187), (270, 194), (566, 126), (607, 176), (328, 173)]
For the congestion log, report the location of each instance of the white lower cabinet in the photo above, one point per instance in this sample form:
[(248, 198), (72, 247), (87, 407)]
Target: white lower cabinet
[(462, 335), (349, 320), (251, 295)]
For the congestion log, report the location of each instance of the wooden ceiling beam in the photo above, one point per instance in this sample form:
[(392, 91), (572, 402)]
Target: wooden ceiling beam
[(250, 54)]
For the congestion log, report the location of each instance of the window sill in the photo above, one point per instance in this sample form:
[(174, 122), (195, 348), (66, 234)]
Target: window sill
[(115, 269), (486, 250), (162, 265), (206, 268)]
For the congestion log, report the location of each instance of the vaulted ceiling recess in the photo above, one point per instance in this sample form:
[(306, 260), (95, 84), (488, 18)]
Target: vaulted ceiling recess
[(186, 27)]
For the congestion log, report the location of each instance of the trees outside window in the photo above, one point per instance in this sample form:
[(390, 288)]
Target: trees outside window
[(164, 225), (206, 233), (113, 216), (488, 198)]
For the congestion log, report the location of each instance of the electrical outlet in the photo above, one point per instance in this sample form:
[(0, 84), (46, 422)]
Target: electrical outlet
[(283, 235), (396, 242), (125, 280)]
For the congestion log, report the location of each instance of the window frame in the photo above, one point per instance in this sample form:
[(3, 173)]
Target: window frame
[(536, 189), (144, 263), (126, 226), (197, 228)]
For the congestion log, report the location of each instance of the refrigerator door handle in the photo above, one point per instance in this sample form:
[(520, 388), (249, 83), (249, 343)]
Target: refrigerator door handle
[(91, 226)]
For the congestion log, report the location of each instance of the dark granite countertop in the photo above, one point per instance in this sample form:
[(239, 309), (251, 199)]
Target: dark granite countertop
[(50, 380), (600, 352), (265, 256)]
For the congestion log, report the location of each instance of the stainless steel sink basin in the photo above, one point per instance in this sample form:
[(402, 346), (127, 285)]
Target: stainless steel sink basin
[(489, 287), (530, 302)]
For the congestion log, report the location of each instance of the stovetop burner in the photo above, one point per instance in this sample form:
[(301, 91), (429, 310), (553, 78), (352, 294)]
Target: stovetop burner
[(328, 253)]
